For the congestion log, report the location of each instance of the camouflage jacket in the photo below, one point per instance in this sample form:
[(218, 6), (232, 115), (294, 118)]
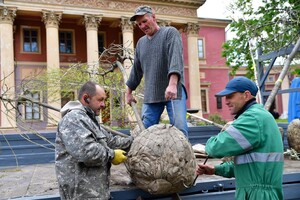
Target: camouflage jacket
[(83, 154)]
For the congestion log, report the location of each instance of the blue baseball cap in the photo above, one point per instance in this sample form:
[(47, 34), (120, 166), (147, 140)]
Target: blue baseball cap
[(141, 10), (238, 84)]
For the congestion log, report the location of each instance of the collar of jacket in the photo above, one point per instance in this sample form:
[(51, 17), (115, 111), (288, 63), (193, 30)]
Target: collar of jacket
[(245, 107), (92, 115)]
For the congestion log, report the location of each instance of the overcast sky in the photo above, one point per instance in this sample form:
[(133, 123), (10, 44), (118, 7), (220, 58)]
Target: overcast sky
[(214, 9)]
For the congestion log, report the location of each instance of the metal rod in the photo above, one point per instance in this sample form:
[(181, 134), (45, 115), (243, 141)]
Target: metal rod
[(206, 120), (137, 115), (198, 175), (114, 131)]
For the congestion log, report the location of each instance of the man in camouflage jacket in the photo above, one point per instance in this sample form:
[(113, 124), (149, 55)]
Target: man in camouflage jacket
[(83, 150)]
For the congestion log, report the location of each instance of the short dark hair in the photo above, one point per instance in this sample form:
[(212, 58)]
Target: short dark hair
[(89, 87)]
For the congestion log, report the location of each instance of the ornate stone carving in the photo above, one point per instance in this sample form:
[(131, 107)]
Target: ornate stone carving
[(190, 10), (7, 14), (92, 21), (195, 3), (192, 29), (184, 2), (163, 22), (126, 24), (51, 18)]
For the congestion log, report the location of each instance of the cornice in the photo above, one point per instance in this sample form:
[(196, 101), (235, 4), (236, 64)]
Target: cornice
[(104, 3), (196, 3), (177, 11), (214, 22)]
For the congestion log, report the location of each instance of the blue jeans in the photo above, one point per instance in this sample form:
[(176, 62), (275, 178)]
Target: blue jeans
[(151, 113)]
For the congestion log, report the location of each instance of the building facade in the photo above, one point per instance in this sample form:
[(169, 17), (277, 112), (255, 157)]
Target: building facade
[(36, 36)]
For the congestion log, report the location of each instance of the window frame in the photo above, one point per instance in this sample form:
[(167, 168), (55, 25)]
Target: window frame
[(205, 90), (72, 40), (22, 41), (203, 48), (219, 102), (40, 110)]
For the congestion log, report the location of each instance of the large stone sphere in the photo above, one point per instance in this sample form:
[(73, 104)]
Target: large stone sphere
[(293, 135), (161, 160)]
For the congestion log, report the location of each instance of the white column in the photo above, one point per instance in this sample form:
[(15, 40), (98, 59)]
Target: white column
[(127, 34), (91, 24), (7, 76), (285, 97), (194, 73), (51, 20)]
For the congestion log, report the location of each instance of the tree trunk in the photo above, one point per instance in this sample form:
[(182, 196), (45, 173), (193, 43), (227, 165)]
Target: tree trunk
[(285, 68)]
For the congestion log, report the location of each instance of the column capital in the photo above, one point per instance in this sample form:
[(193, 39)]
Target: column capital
[(51, 18), (192, 29), (126, 24), (163, 22), (7, 14), (92, 21)]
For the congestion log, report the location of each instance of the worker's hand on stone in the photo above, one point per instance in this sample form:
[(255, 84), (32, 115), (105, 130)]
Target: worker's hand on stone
[(119, 156), (205, 169)]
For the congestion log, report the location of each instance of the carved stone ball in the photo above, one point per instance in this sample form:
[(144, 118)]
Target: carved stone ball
[(293, 134), (161, 160)]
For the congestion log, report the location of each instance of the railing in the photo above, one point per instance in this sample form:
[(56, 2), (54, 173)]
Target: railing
[(27, 149)]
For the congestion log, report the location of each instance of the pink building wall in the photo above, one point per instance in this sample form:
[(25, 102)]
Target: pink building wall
[(214, 73)]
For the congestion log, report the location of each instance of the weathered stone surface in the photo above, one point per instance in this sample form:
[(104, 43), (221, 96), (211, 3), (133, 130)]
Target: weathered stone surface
[(293, 135), (161, 160)]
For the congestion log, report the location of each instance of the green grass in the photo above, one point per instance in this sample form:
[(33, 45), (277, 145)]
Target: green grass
[(282, 120)]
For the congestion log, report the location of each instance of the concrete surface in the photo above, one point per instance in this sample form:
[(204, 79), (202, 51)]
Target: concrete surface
[(40, 179)]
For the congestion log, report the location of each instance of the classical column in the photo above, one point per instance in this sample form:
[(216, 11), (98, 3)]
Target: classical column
[(127, 33), (91, 25), (52, 20), (163, 22), (194, 73), (285, 97), (7, 76)]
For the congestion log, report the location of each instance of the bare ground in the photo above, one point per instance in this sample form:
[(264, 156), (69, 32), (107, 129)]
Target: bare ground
[(34, 180)]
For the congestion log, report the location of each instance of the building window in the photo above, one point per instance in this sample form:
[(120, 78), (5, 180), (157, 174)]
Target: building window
[(30, 40), (204, 101), (219, 102), (200, 49), (33, 110), (270, 79), (66, 42), (101, 42)]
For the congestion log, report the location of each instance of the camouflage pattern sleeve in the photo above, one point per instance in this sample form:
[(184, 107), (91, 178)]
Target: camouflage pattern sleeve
[(83, 140), (118, 142)]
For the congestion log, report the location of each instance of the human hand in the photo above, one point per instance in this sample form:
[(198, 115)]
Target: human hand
[(130, 98), (171, 92), (119, 156), (205, 169)]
